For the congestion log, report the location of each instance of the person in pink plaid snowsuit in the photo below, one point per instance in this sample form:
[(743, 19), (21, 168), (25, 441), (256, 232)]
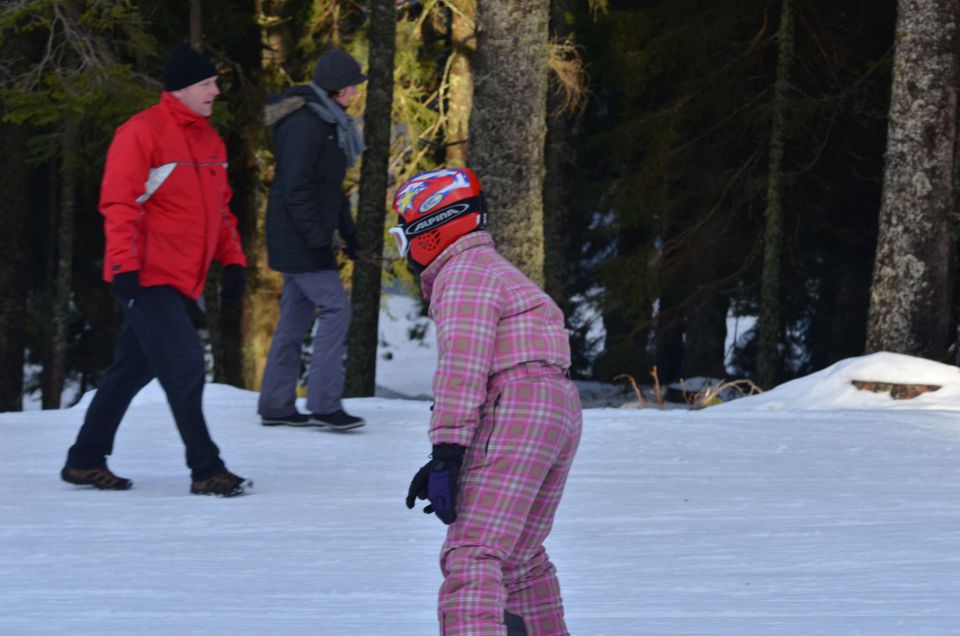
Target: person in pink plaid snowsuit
[(506, 419)]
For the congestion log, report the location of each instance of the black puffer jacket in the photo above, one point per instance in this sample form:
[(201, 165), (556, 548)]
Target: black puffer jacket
[(306, 202)]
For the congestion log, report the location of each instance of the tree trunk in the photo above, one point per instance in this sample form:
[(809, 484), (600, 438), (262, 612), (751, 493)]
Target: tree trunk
[(13, 298), (668, 353), (556, 159), (508, 124), (363, 336), (261, 301), (460, 90), (555, 213), (768, 353), (196, 24), (706, 334), (244, 139), (261, 309), (49, 280), (211, 297), (60, 317), (913, 268)]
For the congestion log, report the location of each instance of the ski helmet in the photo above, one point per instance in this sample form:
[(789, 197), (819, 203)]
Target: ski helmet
[(434, 209)]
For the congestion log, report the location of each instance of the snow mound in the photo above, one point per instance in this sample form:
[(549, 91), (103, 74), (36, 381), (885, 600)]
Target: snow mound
[(832, 388)]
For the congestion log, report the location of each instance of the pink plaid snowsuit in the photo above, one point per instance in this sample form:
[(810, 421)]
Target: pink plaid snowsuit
[(501, 390)]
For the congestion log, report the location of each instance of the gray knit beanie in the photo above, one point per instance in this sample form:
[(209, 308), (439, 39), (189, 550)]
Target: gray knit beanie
[(337, 69)]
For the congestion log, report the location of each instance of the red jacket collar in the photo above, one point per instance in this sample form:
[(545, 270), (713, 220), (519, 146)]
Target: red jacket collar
[(178, 110)]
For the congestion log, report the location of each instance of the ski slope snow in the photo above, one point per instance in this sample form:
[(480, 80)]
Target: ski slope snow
[(807, 510)]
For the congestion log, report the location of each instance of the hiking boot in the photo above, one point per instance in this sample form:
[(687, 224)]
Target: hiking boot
[(294, 419), (221, 484), (339, 420), (99, 478)]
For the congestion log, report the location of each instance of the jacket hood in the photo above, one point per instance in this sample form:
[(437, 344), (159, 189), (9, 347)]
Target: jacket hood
[(281, 105)]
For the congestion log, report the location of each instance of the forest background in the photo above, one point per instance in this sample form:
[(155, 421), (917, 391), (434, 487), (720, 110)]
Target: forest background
[(659, 166)]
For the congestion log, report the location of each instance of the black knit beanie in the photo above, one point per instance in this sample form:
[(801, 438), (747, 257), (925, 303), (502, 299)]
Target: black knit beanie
[(337, 69), (186, 67)]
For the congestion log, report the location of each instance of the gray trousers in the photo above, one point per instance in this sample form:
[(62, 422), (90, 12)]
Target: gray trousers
[(307, 296)]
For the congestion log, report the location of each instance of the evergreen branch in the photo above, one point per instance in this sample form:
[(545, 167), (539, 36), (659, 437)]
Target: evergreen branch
[(758, 97), (673, 243), (694, 302)]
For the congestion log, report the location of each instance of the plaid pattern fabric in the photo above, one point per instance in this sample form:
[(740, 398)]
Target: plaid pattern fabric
[(489, 318), (501, 391), (512, 481)]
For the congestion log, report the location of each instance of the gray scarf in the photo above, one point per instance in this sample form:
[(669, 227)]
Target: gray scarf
[(330, 111)]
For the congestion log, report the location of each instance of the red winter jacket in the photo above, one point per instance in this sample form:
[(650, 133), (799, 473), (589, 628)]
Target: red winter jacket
[(165, 200)]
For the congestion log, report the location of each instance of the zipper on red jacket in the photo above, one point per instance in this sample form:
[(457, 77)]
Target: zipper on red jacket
[(205, 261)]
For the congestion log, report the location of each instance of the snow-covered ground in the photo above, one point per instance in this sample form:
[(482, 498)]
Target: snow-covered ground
[(813, 509)]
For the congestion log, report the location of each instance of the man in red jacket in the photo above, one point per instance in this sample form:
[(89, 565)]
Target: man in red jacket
[(164, 199)]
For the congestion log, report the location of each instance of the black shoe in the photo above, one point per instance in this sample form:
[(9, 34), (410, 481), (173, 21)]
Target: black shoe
[(337, 421), (294, 419), (100, 478), (221, 484)]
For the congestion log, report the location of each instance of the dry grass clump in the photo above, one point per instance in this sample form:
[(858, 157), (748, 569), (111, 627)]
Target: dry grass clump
[(695, 400)]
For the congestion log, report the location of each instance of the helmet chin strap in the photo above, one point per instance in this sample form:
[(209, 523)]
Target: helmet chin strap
[(415, 268)]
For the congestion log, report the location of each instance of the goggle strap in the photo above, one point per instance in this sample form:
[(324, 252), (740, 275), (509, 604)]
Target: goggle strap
[(433, 220), (403, 245)]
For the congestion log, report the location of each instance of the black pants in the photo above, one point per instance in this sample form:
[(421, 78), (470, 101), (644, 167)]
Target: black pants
[(158, 340)]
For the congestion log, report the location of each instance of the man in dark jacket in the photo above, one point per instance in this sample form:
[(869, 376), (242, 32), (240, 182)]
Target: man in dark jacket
[(314, 143), (164, 200)]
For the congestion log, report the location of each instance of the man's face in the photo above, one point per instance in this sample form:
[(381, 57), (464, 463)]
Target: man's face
[(199, 97), (344, 95)]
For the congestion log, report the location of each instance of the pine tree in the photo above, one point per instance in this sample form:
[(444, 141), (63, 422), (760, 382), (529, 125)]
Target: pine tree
[(362, 338), (566, 99), (13, 240), (237, 45), (768, 355), (462, 33), (508, 124), (914, 268), (77, 87)]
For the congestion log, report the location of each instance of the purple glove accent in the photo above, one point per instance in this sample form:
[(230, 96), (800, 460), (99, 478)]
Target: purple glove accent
[(442, 490), (438, 481)]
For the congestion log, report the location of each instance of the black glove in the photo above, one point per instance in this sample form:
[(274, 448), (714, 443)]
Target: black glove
[(438, 481), (351, 247), (232, 283), (125, 286)]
